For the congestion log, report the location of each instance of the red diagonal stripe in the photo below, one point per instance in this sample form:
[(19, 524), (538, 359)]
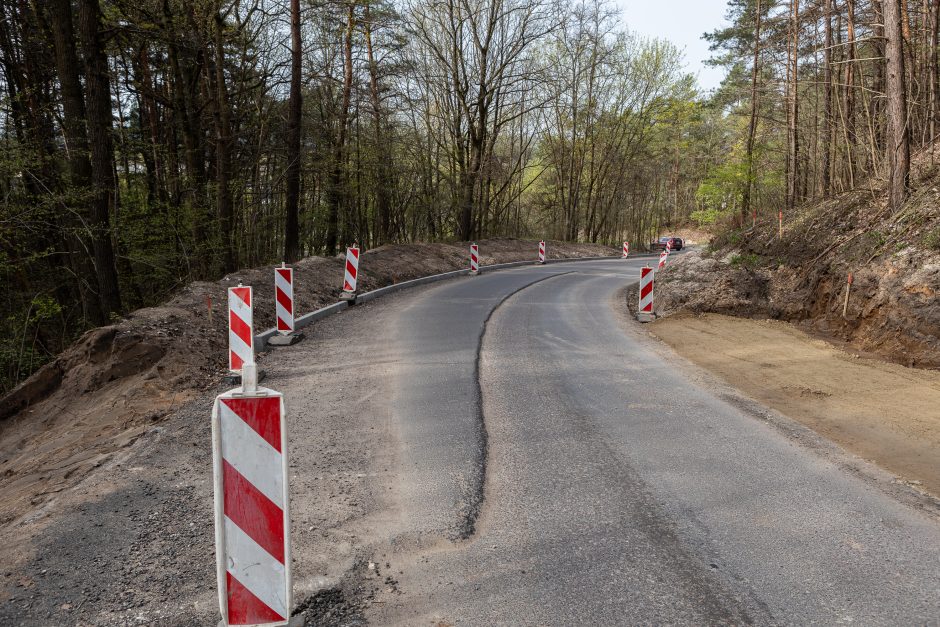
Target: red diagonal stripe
[(235, 360), (282, 324), (244, 608), (284, 272), (243, 293), (350, 268), (284, 301), (261, 414), (346, 286), (240, 328), (253, 512)]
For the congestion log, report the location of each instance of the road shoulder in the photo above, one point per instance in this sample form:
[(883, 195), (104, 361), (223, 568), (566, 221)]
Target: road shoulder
[(851, 411)]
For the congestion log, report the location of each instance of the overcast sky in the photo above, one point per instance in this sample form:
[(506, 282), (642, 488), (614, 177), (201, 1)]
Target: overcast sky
[(682, 22)]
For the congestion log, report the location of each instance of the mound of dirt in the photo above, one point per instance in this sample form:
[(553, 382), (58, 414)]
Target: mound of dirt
[(112, 385), (894, 258)]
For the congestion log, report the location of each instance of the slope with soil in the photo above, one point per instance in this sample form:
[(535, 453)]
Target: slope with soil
[(894, 257), (102, 394)]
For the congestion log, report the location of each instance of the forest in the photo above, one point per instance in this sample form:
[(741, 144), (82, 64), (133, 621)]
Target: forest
[(150, 143)]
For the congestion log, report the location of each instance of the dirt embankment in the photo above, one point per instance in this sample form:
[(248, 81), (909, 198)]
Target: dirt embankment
[(101, 394), (801, 277), (882, 412)]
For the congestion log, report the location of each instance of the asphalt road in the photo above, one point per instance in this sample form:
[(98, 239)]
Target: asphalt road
[(558, 470)]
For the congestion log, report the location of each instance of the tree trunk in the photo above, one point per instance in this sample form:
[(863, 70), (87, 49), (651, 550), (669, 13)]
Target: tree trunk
[(793, 106), (223, 155), (336, 175), (383, 182), (826, 165), (76, 143), (898, 136), (295, 113), (98, 108), (752, 125)]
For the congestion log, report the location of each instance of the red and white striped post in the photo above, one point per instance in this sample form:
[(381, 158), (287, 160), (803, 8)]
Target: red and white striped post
[(351, 276), (474, 259), (542, 251), (284, 299), (241, 336), (252, 518), (645, 312), (626, 250), (284, 308), (662, 259)]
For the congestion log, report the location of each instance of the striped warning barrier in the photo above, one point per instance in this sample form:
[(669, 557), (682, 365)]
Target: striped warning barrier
[(474, 259), (241, 337), (662, 259), (352, 269), (542, 251), (252, 521), (646, 290), (668, 245), (626, 249), (284, 299)]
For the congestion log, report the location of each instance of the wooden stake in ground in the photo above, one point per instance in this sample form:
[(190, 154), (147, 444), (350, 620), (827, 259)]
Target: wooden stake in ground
[(848, 288), (780, 221)]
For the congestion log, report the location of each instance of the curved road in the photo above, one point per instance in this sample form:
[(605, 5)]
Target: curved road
[(558, 470)]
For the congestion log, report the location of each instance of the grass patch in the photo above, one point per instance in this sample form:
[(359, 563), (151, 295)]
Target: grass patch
[(745, 260), (932, 239)]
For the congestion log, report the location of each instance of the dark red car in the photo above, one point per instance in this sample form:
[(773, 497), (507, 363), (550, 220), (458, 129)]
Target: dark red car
[(660, 244)]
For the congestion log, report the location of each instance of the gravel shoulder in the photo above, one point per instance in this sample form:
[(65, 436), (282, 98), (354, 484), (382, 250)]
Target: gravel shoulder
[(132, 543), (882, 412)]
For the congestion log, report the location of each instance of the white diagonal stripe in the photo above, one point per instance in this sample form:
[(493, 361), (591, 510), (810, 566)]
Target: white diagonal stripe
[(284, 315), (285, 285), (252, 456), (255, 569), (239, 307)]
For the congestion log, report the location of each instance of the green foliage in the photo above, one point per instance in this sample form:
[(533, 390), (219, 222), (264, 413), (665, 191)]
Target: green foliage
[(745, 260), (932, 239)]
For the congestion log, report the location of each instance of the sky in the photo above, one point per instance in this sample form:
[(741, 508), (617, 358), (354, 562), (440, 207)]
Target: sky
[(682, 22)]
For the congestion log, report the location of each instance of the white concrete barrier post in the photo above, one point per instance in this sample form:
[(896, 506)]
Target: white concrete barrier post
[(284, 308), (351, 277), (241, 336), (474, 259), (645, 311), (626, 249), (542, 252), (252, 514)]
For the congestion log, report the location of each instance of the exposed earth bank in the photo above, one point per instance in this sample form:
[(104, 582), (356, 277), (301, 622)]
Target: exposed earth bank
[(119, 382)]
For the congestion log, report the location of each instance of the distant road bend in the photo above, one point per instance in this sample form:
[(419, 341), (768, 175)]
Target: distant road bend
[(558, 470)]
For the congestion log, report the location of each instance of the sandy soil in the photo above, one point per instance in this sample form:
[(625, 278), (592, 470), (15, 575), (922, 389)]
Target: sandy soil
[(882, 412)]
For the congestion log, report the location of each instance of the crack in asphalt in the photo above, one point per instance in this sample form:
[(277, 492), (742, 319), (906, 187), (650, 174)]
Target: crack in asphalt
[(468, 526)]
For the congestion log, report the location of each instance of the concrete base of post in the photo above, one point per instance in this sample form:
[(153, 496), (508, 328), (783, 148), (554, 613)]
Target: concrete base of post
[(285, 340), (295, 621), (236, 379), (474, 272), (643, 316), (349, 297)]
